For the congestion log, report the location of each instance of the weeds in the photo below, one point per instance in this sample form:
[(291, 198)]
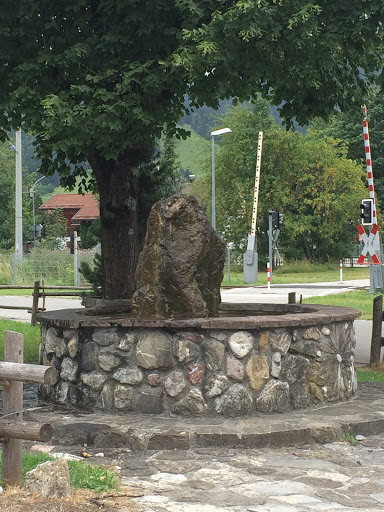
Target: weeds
[(350, 438)]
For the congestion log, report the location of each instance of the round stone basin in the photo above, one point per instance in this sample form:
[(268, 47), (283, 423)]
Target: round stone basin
[(251, 359)]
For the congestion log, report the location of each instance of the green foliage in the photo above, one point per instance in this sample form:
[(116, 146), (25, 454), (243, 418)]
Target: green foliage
[(82, 475), (7, 196), (347, 127), (306, 178), (55, 227), (350, 438), (158, 179), (101, 81), (304, 266), (93, 273), (90, 235), (31, 338)]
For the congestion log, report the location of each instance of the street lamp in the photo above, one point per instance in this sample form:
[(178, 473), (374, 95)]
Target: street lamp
[(32, 191), (213, 134)]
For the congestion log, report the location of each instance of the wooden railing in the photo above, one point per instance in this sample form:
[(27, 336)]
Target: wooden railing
[(39, 291), (12, 427)]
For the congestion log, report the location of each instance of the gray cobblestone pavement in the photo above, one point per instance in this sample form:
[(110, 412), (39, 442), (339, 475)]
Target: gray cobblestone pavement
[(332, 477)]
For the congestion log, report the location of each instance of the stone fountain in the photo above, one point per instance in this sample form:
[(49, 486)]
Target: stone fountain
[(180, 351)]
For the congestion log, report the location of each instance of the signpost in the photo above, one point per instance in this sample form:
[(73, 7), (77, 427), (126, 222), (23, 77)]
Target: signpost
[(372, 243), (250, 258)]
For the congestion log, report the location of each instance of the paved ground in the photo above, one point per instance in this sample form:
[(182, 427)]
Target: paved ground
[(275, 463), (334, 477), (294, 476), (299, 462)]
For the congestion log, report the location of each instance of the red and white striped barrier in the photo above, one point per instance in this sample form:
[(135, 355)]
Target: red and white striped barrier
[(368, 160), (269, 275)]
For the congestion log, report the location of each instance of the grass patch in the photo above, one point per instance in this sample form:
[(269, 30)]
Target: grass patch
[(193, 152), (367, 374), (31, 339), (82, 474), (357, 299)]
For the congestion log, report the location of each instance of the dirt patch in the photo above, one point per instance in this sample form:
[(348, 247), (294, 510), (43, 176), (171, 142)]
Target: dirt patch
[(17, 500)]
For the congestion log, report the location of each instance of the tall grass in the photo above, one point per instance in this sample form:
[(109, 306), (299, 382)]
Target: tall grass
[(300, 266), (31, 339), (53, 267)]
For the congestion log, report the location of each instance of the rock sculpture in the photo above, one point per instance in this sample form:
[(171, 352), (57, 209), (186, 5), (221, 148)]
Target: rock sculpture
[(180, 268)]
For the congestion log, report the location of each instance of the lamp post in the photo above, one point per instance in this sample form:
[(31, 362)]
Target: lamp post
[(213, 134), (19, 202), (32, 190)]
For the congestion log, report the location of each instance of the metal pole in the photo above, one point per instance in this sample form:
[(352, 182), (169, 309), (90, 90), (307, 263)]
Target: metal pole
[(270, 241), (213, 185), (33, 207), (19, 202)]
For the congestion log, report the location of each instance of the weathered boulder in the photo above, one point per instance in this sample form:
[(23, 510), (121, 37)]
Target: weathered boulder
[(180, 268), (50, 479)]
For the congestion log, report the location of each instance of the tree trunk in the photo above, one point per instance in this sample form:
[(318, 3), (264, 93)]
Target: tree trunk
[(117, 183)]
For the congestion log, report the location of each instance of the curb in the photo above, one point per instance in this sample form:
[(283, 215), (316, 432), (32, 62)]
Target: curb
[(363, 415), (94, 435)]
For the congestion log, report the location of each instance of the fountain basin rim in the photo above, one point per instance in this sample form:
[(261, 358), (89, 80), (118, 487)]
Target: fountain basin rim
[(310, 315)]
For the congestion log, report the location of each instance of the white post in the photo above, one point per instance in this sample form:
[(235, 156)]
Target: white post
[(269, 275), (19, 202), (341, 270), (215, 132), (75, 267)]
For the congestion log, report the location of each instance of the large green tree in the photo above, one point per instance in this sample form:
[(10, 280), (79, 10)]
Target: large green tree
[(309, 179), (97, 81), (348, 128)]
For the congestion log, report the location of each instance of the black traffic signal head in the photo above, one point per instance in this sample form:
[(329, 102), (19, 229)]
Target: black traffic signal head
[(366, 212), (275, 219), (281, 219)]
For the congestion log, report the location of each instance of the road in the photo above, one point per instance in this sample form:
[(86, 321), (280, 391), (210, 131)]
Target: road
[(277, 294)]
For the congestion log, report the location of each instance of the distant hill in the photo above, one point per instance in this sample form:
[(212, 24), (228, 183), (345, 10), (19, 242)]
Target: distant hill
[(193, 152)]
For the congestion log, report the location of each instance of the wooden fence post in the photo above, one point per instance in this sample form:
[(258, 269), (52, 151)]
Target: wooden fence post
[(35, 302), (13, 403), (376, 330), (292, 298)]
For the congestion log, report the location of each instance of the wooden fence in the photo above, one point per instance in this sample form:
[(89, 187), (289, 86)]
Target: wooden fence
[(12, 427), (39, 291), (377, 341)]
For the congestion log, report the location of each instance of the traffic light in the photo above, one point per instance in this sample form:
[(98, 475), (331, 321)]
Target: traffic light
[(275, 219), (366, 212), (280, 219), (72, 243)]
